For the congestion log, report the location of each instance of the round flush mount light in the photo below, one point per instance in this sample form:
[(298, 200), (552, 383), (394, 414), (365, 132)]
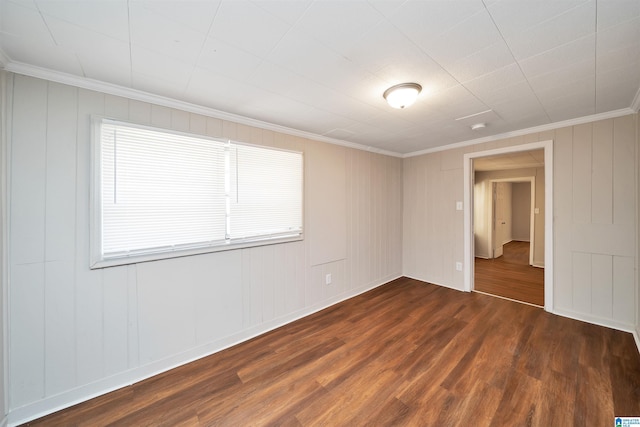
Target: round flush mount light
[(402, 95), (478, 126)]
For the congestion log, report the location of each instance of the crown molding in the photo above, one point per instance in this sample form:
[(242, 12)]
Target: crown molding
[(138, 95), (4, 59), (635, 104), (535, 129)]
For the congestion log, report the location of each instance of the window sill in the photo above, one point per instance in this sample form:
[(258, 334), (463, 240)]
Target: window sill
[(179, 253)]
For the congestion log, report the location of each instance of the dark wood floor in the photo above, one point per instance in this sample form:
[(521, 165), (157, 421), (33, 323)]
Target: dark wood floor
[(406, 353), (510, 275)]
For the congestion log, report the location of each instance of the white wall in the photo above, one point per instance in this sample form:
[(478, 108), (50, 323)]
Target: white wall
[(3, 254), (594, 210), (637, 278), (76, 332), (521, 211)]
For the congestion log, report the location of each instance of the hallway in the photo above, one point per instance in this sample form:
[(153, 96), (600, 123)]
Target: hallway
[(511, 276)]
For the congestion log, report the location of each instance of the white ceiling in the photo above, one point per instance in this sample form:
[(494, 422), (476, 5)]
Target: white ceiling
[(321, 66)]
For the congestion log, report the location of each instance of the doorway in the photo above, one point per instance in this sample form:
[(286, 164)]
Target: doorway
[(541, 253), (511, 213)]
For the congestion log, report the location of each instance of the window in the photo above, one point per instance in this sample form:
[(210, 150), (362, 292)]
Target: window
[(160, 194)]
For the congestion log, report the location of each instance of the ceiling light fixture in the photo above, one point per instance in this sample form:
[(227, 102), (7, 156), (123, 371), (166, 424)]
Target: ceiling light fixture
[(402, 95), (478, 126)]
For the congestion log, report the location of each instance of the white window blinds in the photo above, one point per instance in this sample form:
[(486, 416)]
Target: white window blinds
[(160, 194), (266, 192)]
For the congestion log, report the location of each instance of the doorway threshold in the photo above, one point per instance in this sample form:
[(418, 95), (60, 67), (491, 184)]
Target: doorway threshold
[(508, 299)]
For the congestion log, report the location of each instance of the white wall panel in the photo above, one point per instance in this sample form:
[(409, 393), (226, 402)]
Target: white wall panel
[(253, 265), (115, 311), (167, 315), (217, 296), (624, 145), (26, 335), (89, 326), (132, 317), (61, 172), (197, 124), (637, 219), (267, 281), (28, 168), (116, 107), (140, 112), (161, 116), (180, 120), (602, 173), (433, 260), (59, 301), (563, 204), (214, 127), (581, 277), (293, 289), (602, 285), (603, 239), (581, 189), (5, 80), (88, 284), (326, 226), (623, 288)]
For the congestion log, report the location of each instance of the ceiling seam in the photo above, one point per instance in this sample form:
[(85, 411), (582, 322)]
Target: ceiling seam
[(130, 43), (204, 43), (595, 60), (44, 21), (517, 62)]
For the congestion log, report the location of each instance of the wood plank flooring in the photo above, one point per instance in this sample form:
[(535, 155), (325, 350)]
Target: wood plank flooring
[(407, 353), (510, 275)]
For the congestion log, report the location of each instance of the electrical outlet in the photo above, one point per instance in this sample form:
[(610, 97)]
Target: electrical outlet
[(458, 206), (458, 266), (327, 279)]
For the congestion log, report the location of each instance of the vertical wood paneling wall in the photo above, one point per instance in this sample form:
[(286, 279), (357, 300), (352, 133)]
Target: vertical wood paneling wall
[(637, 264), (595, 217), (75, 332), (521, 211), (3, 249)]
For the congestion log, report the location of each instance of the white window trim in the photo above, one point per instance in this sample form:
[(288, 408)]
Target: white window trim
[(95, 216)]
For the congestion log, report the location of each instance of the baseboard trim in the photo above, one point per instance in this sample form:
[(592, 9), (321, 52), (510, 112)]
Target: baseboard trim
[(597, 320), (86, 392), (636, 337), (435, 283)]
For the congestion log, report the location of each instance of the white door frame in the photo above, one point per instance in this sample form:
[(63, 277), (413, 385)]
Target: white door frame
[(548, 213), (532, 181)]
